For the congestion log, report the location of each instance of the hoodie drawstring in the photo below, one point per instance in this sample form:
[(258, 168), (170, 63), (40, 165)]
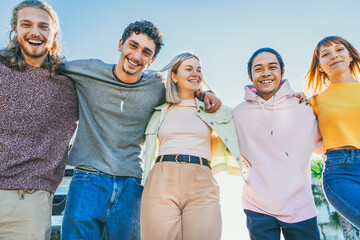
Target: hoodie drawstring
[(271, 123)]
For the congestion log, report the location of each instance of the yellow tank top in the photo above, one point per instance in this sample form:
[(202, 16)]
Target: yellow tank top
[(338, 112)]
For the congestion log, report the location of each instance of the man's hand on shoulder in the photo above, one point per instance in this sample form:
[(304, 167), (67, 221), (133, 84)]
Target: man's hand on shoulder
[(302, 98), (212, 102)]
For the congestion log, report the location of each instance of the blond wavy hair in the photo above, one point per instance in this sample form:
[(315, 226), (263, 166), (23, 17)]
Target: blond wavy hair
[(12, 56)]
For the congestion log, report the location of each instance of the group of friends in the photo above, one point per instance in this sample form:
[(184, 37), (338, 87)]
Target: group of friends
[(146, 149)]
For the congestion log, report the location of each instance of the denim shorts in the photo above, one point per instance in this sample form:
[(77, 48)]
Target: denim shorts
[(341, 182)]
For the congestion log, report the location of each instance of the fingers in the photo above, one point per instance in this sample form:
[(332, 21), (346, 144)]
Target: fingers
[(302, 98), (207, 103), (213, 106)]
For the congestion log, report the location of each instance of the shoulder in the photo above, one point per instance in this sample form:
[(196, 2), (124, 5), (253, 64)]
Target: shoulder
[(224, 114), (97, 63), (152, 76), (241, 107)]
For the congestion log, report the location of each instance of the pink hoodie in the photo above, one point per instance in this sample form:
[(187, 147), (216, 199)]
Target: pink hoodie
[(276, 138)]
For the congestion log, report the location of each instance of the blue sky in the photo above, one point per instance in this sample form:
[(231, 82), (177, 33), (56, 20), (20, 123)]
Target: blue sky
[(223, 34)]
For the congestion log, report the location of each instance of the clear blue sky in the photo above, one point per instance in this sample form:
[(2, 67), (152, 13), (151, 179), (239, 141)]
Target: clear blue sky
[(223, 34)]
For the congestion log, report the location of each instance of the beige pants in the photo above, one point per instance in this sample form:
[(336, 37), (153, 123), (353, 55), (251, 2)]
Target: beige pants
[(180, 201), (27, 218)]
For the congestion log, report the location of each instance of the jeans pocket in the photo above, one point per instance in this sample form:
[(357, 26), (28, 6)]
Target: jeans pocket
[(82, 176), (136, 181), (336, 162)]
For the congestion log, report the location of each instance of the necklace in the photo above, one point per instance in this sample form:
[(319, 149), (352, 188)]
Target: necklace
[(126, 94), (123, 99)]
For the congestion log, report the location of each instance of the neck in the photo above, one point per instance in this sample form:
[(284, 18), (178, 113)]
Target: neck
[(342, 78), (123, 76), (187, 95)]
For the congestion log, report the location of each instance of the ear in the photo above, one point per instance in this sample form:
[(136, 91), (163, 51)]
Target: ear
[(15, 31), (173, 77), (283, 72), (55, 35), (351, 59), (121, 42), (250, 77), (320, 68)]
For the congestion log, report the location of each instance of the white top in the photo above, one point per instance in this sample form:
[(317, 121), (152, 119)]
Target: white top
[(183, 132)]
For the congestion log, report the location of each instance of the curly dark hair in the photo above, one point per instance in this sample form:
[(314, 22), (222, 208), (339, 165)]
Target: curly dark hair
[(12, 56), (148, 28)]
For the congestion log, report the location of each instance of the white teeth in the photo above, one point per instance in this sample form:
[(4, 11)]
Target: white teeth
[(194, 81), (267, 81), (35, 41), (132, 63)]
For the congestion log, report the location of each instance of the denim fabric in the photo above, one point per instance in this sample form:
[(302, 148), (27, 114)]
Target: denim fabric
[(266, 227), (101, 202), (341, 182)]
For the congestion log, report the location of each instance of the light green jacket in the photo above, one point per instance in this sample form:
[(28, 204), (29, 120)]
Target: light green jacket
[(225, 153)]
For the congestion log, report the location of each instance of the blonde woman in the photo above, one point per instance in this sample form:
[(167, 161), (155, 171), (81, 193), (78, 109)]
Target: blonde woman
[(181, 196), (333, 79)]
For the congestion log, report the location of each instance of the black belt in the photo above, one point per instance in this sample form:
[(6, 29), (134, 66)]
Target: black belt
[(181, 158), (97, 172)]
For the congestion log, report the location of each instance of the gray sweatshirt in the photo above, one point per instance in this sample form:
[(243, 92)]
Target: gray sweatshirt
[(110, 136)]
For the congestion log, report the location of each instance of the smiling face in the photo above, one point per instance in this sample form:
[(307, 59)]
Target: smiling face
[(136, 52), (188, 78), (266, 74), (334, 59), (35, 34)]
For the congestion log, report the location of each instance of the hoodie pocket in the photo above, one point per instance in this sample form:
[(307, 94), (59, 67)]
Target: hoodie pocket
[(275, 189)]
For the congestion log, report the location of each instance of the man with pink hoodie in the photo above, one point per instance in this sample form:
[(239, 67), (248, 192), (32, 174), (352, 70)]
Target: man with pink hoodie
[(276, 138)]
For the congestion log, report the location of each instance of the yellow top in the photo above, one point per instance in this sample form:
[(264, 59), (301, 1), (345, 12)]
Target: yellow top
[(338, 112)]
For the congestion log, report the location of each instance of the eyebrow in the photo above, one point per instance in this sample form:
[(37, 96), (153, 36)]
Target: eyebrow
[(271, 63), (191, 66), (28, 21), (327, 48), (145, 48)]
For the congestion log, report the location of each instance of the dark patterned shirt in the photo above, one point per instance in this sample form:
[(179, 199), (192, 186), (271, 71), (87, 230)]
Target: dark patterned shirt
[(37, 119)]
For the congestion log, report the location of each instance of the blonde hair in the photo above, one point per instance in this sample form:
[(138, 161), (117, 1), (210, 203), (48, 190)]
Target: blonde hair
[(172, 92), (12, 56), (316, 80)]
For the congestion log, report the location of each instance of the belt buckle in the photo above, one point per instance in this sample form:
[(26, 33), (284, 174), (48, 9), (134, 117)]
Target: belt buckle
[(176, 159)]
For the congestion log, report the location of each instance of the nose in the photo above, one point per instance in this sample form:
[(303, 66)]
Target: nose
[(137, 55), (196, 74), (334, 54), (35, 31), (266, 72)]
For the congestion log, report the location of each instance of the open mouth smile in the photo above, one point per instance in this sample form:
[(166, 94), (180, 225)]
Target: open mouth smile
[(34, 42), (134, 64), (266, 81), (194, 80)]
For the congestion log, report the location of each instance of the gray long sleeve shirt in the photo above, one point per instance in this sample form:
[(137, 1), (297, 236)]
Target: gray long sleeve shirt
[(108, 138)]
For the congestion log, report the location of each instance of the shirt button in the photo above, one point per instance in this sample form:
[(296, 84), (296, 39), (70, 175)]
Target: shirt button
[(226, 140), (198, 111), (211, 123)]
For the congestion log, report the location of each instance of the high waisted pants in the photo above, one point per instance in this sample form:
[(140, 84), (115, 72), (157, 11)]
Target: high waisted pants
[(180, 202)]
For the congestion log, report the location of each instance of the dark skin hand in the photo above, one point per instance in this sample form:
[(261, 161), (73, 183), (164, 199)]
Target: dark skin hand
[(302, 98)]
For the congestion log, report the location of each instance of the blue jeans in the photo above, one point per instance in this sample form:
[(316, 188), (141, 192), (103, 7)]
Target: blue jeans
[(341, 182), (97, 202), (265, 227)]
